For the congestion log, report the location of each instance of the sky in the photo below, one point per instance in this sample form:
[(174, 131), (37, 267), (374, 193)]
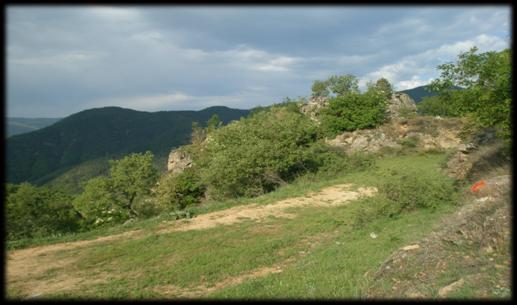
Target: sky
[(65, 59)]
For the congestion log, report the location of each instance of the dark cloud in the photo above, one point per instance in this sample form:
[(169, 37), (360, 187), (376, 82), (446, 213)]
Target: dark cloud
[(65, 59)]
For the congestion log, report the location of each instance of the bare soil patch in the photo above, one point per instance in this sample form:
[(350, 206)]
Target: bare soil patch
[(41, 270), (330, 196)]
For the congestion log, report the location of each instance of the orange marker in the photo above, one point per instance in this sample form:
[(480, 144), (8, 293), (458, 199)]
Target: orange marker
[(477, 186)]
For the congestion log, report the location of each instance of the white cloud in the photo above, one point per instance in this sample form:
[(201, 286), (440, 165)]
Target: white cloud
[(419, 69), (115, 14), (67, 59)]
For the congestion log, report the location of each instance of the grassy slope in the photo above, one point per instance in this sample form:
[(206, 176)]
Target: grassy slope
[(321, 254)]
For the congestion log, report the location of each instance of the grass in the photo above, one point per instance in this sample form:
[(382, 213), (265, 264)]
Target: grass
[(322, 252)]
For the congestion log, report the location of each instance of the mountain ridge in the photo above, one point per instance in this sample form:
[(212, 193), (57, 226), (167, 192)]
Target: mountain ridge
[(100, 133)]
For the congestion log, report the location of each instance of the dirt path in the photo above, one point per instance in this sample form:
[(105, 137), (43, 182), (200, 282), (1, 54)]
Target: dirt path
[(330, 196), (25, 266)]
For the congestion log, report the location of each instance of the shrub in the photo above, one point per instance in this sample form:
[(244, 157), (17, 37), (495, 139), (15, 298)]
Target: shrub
[(111, 199), (178, 191), (38, 211), (410, 142), (257, 154), (406, 192), (98, 204), (329, 161), (486, 78), (354, 111)]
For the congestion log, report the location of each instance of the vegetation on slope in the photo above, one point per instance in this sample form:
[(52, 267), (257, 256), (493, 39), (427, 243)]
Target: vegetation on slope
[(276, 148), (109, 132)]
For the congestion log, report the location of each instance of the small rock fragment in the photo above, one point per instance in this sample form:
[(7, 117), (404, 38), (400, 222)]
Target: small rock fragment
[(444, 291), (411, 247)]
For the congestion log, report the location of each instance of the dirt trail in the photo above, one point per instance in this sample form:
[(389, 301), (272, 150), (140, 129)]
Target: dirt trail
[(330, 196), (25, 266)]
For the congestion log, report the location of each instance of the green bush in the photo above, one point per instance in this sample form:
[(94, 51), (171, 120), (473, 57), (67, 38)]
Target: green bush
[(486, 79), (257, 154), (98, 204), (38, 211), (354, 111), (111, 199), (330, 161), (410, 142), (446, 105), (406, 192), (178, 191)]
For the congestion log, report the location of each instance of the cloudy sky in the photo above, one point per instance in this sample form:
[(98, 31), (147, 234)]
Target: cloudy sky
[(61, 60)]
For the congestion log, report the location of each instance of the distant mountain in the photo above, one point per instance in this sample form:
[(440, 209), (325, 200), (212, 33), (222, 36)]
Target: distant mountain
[(418, 93), (101, 133), (22, 125)]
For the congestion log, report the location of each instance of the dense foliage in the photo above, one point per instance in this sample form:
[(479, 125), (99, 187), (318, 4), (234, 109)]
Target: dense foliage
[(112, 198), (180, 190), (486, 78), (354, 111), (336, 86), (109, 132), (256, 154), (38, 211)]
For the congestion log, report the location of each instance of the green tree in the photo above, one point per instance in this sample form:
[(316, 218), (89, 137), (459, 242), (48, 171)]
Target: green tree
[(38, 211), (256, 154), (178, 191), (343, 84), (320, 89), (98, 204), (111, 199), (384, 86), (486, 79), (354, 111), (213, 123), (336, 85), (132, 176)]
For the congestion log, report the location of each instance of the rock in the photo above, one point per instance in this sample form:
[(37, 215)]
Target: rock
[(401, 105), (458, 166), (313, 107), (444, 291), (467, 148), (178, 161), (359, 143), (411, 247)]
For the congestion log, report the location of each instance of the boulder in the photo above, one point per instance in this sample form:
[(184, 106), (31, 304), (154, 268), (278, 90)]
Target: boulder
[(178, 161), (400, 105), (313, 106)]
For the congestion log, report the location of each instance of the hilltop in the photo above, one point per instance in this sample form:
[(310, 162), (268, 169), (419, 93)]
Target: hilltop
[(101, 133), (16, 125)]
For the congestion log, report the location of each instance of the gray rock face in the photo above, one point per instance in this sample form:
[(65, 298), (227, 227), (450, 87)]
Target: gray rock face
[(178, 161), (401, 103)]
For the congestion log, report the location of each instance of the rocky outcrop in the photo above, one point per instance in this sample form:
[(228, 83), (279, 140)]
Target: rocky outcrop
[(401, 105), (423, 133), (178, 161), (313, 107)]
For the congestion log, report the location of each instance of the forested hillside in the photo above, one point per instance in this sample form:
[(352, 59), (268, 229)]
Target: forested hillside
[(42, 155)]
